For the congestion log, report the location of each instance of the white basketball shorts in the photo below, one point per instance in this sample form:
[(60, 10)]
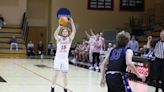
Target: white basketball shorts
[(61, 64)]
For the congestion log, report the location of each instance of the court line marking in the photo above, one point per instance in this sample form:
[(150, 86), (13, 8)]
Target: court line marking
[(39, 75)]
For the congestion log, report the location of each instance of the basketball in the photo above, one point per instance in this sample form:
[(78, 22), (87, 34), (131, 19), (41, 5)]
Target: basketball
[(63, 20)]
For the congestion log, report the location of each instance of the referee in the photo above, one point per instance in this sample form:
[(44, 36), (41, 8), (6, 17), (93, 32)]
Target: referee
[(159, 59)]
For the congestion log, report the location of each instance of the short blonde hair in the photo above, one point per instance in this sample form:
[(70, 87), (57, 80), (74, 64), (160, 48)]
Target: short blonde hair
[(122, 39)]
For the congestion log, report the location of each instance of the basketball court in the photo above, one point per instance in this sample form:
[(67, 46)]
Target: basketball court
[(32, 75)]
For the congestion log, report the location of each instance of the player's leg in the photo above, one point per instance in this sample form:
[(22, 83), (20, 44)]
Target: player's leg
[(93, 60), (57, 64), (108, 81), (162, 77), (65, 80), (54, 79), (11, 46), (90, 54), (98, 60), (65, 68), (115, 83)]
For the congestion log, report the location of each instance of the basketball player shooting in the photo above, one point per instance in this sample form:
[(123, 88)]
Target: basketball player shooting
[(61, 63)]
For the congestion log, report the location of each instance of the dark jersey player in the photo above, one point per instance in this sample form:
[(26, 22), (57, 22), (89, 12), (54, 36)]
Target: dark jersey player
[(114, 66)]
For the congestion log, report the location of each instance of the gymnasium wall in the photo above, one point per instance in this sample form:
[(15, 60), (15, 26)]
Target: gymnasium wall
[(37, 11), (12, 10), (38, 14), (95, 19), (37, 34)]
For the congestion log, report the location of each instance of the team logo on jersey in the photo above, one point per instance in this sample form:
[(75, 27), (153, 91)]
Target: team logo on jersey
[(116, 54)]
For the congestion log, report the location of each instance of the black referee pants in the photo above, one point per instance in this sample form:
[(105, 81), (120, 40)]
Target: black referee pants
[(159, 73), (115, 83)]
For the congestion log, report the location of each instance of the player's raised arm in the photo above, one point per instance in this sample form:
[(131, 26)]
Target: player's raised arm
[(56, 33), (92, 33), (87, 34), (149, 40), (73, 28)]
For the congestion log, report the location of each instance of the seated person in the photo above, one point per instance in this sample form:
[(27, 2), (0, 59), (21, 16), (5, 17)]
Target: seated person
[(1, 21), (30, 49), (79, 51), (109, 47), (49, 47), (12, 42), (147, 52), (75, 53), (85, 53), (54, 48)]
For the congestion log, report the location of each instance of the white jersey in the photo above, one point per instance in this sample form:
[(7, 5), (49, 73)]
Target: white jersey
[(91, 43), (63, 47), (102, 46)]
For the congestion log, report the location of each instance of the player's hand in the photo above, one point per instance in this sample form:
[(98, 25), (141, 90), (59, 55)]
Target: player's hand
[(149, 38), (102, 83), (69, 18), (142, 77), (91, 29)]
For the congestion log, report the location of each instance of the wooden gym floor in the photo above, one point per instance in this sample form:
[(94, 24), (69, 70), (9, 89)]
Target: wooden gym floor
[(32, 75)]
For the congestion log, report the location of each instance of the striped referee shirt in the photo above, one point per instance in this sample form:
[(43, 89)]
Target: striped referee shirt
[(159, 49)]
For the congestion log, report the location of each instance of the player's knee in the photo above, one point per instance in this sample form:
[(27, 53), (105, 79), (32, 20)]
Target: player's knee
[(65, 74)]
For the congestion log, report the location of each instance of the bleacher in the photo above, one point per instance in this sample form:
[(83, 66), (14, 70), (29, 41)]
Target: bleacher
[(11, 26), (149, 23), (5, 36)]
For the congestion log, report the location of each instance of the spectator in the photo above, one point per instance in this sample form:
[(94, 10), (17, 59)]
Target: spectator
[(91, 42), (77, 50), (84, 41), (1, 21), (103, 44), (85, 52), (12, 42), (133, 44), (74, 53), (114, 45), (147, 52), (109, 47), (96, 52), (40, 48), (54, 48), (80, 51), (50, 47), (30, 48)]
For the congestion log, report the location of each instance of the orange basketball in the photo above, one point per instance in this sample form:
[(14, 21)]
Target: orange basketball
[(63, 20)]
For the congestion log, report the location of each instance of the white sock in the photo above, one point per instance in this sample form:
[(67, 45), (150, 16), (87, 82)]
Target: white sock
[(53, 86), (65, 87)]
